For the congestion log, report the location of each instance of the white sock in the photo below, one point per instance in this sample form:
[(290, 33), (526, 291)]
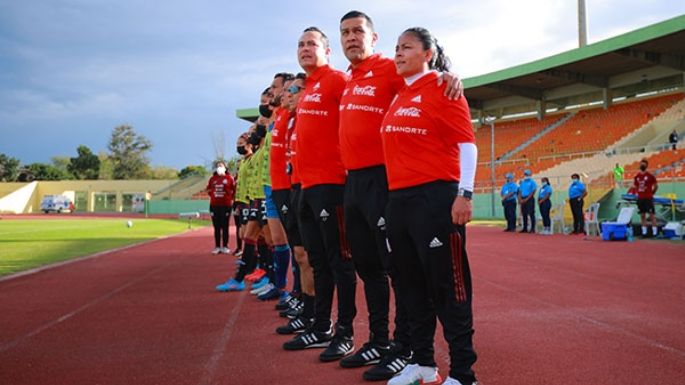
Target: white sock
[(655, 230), (644, 230)]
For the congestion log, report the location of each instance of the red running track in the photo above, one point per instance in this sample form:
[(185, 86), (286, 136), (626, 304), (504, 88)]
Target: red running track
[(548, 310)]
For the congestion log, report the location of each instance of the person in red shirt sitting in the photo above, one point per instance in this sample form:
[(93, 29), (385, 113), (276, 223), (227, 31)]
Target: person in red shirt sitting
[(645, 185), (431, 156), (220, 190)]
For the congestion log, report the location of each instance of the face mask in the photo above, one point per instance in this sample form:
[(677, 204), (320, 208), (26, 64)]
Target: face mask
[(643, 167), (241, 150), (261, 130), (575, 179), (265, 111), (254, 139), (221, 170)]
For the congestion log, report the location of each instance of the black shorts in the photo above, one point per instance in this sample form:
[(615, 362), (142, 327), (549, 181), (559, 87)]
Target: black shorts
[(258, 211), (242, 211), (645, 206), (281, 199), (291, 225)]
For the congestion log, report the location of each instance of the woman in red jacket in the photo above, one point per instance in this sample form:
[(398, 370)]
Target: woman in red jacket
[(220, 190), (430, 156)]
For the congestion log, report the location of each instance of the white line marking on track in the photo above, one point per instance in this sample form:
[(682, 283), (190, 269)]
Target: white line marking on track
[(19, 340), (603, 325), (220, 347)]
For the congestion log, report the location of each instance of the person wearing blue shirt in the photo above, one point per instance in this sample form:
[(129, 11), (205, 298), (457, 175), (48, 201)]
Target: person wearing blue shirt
[(545, 204), (508, 194), (576, 194), (527, 189)]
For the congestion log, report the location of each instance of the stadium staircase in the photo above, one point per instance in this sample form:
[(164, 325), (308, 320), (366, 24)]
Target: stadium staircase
[(655, 133), (537, 136)]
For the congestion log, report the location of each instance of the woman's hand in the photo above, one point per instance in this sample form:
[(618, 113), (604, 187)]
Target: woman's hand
[(461, 211)]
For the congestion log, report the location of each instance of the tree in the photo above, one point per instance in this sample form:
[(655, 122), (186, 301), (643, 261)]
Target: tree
[(162, 172), (41, 171), (106, 169), (232, 164), (128, 153), (61, 163), (192, 170), (8, 168), (86, 165)]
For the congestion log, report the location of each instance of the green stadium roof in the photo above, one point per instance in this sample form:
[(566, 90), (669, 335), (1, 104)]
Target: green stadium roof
[(610, 45)]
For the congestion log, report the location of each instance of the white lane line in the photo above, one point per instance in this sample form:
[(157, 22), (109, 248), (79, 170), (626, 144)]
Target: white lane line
[(220, 347), (600, 324), (6, 346)]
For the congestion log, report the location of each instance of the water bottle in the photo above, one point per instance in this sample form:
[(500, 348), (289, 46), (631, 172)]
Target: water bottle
[(630, 234)]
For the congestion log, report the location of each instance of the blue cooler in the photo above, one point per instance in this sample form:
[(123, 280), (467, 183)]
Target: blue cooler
[(614, 231)]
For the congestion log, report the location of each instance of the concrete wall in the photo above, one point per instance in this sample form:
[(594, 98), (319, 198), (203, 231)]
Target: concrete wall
[(19, 200), (90, 188)]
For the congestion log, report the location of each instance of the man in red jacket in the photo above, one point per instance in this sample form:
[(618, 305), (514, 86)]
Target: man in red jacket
[(220, 189), (645, 186), (322, 176)]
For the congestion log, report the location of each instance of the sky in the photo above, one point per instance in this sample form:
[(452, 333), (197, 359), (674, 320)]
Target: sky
[(72, 70)]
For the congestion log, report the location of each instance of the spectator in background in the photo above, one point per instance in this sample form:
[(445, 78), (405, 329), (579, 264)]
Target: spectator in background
[(645, 186), (618, 175), (527, 189), (673, 139), (220, 190), (545, 204), (576, 193), (509, 193)]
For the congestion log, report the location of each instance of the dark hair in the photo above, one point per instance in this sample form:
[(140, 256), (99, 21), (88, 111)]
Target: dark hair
[(645, 161), (575, 176), (301, 76), (285, 75), (324, 38), (545, 179), (356, 14), (439, 61), (266, 91)]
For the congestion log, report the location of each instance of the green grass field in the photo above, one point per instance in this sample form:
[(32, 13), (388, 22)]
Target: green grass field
[(25, 244)]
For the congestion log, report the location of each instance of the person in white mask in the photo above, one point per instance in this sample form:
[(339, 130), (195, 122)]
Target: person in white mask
[(220, 189)]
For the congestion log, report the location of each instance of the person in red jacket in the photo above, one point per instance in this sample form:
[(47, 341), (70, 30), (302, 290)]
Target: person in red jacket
[(322, 176), (220, 189), (645, 185), (430, 156), (372, 85)]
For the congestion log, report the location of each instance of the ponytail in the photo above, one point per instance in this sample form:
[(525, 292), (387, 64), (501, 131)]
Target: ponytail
[(439, 61)]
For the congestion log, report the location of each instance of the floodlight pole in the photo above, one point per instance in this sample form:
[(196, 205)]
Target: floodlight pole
[(582, 24), (490, 120)]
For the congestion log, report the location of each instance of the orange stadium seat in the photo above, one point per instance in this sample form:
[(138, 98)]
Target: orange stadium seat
[(590, 130)]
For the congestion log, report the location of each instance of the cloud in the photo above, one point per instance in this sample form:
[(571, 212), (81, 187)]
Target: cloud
[(178, 71)]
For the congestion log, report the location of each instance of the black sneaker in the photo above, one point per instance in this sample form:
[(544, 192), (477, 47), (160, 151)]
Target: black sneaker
[(340, 346), (310, 339), (287, 303), (297, 325), (369, 354), (389, 365), (293, 312)]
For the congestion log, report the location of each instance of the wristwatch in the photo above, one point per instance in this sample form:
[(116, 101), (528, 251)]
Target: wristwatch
[(465, 193)]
